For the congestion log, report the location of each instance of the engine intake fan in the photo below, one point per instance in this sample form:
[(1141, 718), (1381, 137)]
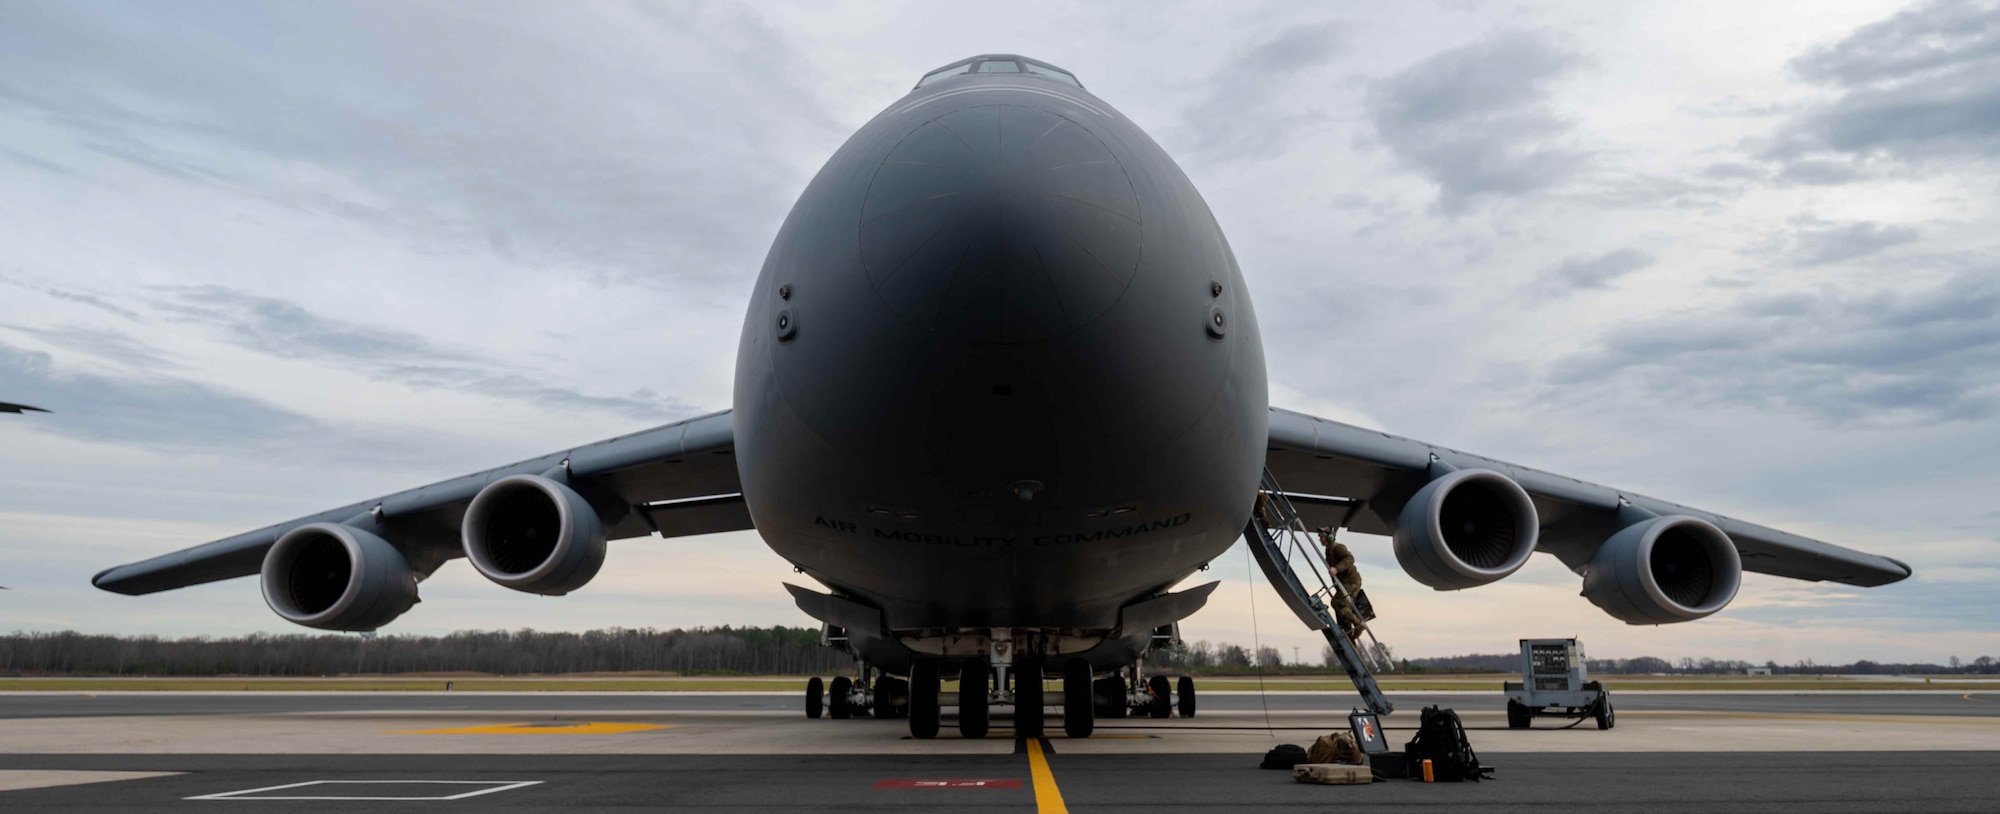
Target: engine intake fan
[(530, 533), (1466, 528), (336, 577), (1664, 570)]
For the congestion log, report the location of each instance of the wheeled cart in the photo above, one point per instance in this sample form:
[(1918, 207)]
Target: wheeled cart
[(1556, 684)]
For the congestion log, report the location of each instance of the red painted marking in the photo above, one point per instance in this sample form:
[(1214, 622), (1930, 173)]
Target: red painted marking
[(1003, 783)]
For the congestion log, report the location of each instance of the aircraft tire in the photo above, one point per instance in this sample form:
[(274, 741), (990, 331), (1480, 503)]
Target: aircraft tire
[(975, 718), (839, 702), (924, 691), (1184, 691), (1161, 704), (1110, 697), (1079, 709), (892, 698), (815, 697), (1028, 700)]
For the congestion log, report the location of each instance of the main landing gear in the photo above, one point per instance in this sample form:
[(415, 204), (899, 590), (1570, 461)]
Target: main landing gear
[(1007, 681), (872, 693), (983, 685)]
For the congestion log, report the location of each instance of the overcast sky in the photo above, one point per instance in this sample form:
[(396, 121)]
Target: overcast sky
[(265, 259)]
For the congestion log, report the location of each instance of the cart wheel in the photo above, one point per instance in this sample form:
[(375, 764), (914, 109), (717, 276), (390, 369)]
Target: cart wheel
[(1518, 716), (1606, 716)]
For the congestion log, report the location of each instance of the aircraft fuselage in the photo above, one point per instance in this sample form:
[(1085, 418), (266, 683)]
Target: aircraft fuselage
[(1000, 368)]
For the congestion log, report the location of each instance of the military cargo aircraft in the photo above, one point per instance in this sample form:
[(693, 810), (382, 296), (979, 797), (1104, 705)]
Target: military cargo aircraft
[(999, 388)]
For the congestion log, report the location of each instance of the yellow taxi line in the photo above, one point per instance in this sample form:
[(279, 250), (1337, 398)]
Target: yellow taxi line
[(1048, 799)]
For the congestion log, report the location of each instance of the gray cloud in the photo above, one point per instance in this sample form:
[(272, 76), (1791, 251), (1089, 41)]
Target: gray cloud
[(1816, 243), (287, 330), (150, 411), (1476, 120), (1894, 355), (104, 344), (1240, 115), (1593, 273), (78, 296), (1915, 89), (456, 128)]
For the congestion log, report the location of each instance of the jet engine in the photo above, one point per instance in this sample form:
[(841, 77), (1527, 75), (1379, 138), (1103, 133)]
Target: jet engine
[(1668, 569), (532, 534), (1466, 529), (336, 577)]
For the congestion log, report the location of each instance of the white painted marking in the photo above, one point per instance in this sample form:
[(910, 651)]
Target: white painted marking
[(244, 794), (20, 779)]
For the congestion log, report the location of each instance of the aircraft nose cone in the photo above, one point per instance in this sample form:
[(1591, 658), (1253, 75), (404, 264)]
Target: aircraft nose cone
[(1000, 224)]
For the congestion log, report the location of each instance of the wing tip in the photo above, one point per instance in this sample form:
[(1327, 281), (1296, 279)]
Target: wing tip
[(103, 582), (1907, 570)]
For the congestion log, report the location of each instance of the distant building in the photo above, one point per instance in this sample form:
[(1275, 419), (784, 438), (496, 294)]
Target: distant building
[(1757, 671)]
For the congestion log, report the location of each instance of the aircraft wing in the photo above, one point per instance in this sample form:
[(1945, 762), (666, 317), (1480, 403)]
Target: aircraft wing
[(1345, 476), (675, 480)]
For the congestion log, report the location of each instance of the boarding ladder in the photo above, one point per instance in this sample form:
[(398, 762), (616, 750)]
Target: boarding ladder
[(1276, 535)]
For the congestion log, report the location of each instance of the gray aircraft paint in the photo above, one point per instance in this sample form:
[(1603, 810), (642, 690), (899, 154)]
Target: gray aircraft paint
[(998, 282), (999, 370)]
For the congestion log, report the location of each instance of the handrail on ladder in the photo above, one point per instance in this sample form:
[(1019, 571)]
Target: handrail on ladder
[(1275, 517)]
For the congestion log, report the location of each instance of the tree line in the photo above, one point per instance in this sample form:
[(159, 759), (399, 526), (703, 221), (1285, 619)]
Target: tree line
[(720, 650), (1649, 665), (704, 651)]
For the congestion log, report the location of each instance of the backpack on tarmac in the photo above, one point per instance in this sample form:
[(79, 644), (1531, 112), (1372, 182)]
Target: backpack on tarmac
[(1441, 740), (1283, 756)]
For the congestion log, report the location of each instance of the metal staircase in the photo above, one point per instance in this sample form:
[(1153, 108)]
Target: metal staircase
[(1276, 536)]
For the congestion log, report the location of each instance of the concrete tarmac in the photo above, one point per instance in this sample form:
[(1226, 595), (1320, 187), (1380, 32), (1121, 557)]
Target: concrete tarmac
[(1831, 752), (86, 704)]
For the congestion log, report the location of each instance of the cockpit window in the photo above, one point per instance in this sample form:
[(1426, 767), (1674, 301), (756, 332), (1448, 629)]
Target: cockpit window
[(1000, 64), (945, 72), (1054, 73)]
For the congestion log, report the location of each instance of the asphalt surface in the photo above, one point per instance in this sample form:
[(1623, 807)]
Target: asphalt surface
[(68, 705), (737, 752), (1788, 782)]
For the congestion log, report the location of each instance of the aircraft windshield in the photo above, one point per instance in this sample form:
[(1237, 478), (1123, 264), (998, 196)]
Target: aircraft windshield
[(1000, 65)]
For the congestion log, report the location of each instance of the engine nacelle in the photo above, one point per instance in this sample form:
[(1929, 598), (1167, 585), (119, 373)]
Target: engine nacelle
[(336, 577), (1466, 529), (1668, 569), (532, 534)]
